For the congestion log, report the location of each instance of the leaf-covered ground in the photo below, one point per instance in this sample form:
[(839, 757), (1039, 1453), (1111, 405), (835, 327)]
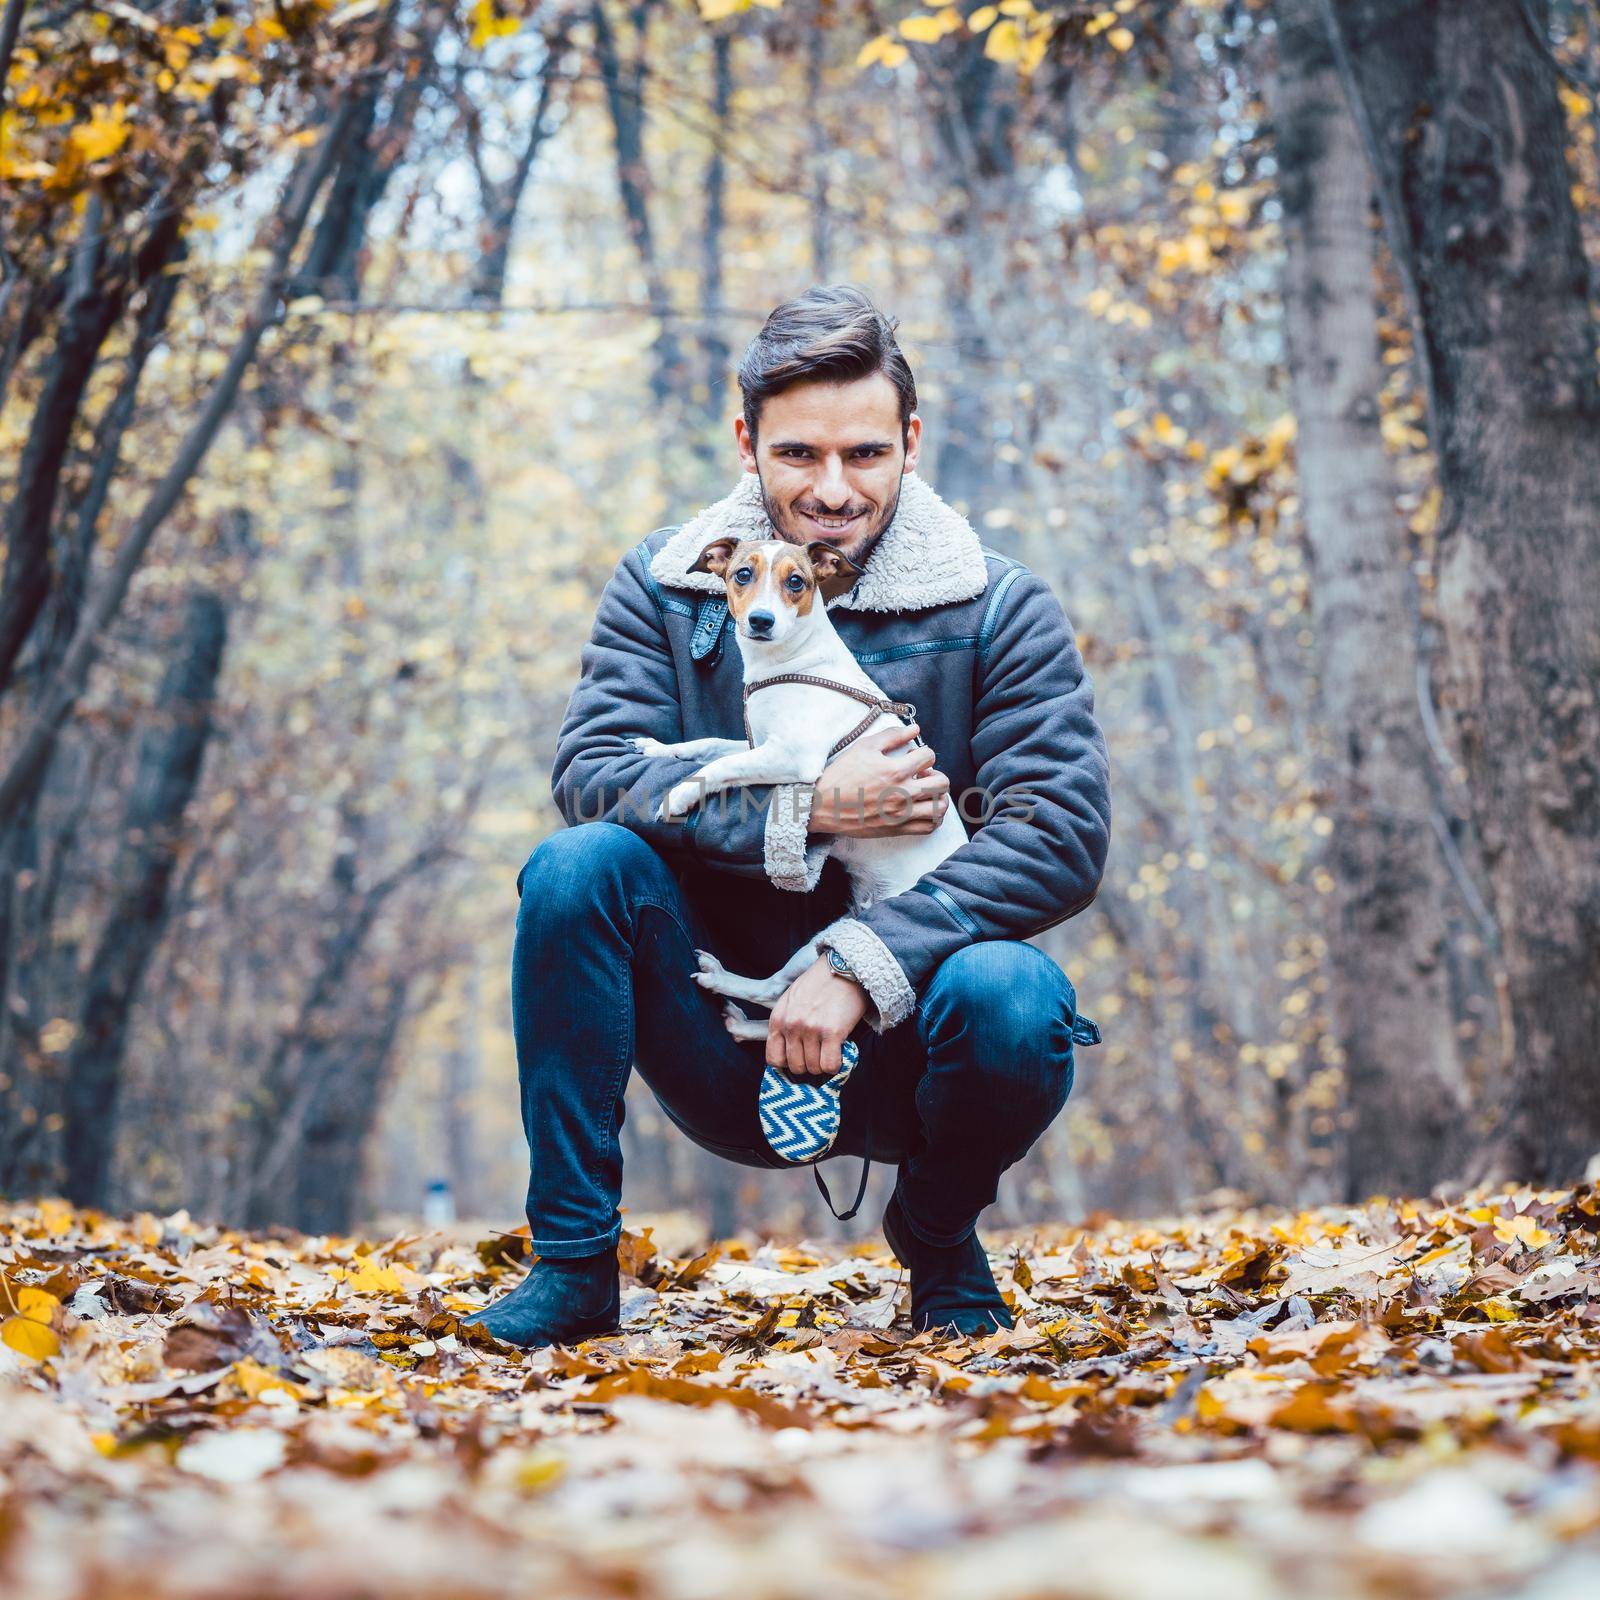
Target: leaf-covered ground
[(1401, 1400)]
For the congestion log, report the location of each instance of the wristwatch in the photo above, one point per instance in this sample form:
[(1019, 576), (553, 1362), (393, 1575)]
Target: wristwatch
[(841, 966)]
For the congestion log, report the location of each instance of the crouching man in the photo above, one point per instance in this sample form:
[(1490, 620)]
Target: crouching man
[(967, 1053)]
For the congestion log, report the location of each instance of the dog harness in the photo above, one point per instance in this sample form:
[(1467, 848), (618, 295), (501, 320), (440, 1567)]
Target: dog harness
[(903, 709)]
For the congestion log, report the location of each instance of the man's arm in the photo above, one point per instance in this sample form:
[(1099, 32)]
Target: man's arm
[(628, 686), (1041, 764)]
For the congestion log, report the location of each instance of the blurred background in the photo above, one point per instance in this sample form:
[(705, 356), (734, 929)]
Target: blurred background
[(344, 348)]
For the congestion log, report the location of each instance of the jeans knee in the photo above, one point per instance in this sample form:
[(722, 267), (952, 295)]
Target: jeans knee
[(1006, 1010), (569, 869)]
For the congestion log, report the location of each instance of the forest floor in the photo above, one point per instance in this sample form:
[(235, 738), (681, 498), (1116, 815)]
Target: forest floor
[(1401, 1400)]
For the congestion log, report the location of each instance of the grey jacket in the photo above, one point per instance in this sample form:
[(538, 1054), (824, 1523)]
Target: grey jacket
[(980, 646)]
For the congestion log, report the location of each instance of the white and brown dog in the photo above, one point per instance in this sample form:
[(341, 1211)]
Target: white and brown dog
[(808, 710)]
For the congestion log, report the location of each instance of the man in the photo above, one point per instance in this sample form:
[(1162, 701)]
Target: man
[(968, 1054)]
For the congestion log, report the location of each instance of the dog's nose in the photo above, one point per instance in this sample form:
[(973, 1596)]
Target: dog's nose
[(760, 622)]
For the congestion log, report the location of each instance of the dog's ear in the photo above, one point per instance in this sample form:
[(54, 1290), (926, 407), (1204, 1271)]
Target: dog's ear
[(715, 557), (829, 561)]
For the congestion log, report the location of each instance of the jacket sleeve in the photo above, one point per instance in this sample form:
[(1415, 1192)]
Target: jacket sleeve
[(628, 685), (1042, 779)]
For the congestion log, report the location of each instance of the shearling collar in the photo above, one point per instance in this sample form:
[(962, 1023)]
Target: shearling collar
[(927, 556)]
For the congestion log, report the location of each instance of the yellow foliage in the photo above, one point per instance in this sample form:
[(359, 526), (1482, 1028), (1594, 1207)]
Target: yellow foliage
[(367, 1277), (36, 1341), (29, 1332), (255, 1380), (1521, 1230), (487, 24), (1234, 207), (103, 134), (925, 28), (1004, 42), (882, 51), (983, 18)]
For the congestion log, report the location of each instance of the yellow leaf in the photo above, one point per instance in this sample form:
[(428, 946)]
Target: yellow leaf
[(1520, 1229), (1426, 518), (982, 18), (1004, 42), (367, 1277), (538, 1470), (882, 51), (256, 1380), (1120, 39), (35, 1340), (36, 1304), (1235, 207), (56, 1035), (922, 28), (102, 135), (486, 25)]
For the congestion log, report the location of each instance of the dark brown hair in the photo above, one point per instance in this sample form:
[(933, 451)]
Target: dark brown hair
[(830, 334)]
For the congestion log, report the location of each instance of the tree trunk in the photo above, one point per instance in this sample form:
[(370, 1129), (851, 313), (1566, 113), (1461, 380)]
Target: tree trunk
[(624, 86), (501, 201), (718, 357), (325, 1183), (168, 770), (975, 118), (1390, 1003), (1459, 112)]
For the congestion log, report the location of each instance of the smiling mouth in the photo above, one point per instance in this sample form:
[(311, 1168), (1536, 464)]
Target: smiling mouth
[(832, 524)]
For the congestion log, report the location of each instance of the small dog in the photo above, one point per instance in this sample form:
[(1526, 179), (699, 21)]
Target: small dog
[(793, 730)]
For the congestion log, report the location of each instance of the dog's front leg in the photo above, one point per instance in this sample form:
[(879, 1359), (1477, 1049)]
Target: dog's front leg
[(687, 749), (767, 763)]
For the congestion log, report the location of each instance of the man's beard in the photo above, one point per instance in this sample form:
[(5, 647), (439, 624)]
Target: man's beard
[(858, 551)]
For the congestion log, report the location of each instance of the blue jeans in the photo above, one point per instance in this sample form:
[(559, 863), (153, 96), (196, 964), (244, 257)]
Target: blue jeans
[(601, 982)]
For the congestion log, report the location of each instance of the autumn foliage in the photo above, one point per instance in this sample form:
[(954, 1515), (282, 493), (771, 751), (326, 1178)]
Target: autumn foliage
[(1398, 1398)]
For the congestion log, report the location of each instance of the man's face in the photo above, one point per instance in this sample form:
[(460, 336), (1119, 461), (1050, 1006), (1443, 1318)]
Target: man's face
[(830, 460)]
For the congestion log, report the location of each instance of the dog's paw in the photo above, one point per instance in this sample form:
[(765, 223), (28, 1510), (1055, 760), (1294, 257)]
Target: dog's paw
[(645, 745), (679, 802), (711, 970), (741, 1026)]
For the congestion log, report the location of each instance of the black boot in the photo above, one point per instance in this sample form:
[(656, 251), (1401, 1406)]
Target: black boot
[(952, 1288), (559, 1302)]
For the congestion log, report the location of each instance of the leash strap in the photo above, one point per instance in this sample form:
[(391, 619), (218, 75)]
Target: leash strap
[(866, 1167), (903, 709)]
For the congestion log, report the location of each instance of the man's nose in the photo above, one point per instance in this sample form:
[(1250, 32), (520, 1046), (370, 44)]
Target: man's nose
[(760, 622), (832, 490)]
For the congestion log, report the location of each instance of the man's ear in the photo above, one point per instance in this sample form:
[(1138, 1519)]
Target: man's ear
[(828, 561), (715, 557)]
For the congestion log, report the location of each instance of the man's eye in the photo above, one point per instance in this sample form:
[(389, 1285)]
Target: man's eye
[(743, 575)]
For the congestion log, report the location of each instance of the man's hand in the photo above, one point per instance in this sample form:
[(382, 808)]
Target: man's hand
[(812, 1021), (866, 792)]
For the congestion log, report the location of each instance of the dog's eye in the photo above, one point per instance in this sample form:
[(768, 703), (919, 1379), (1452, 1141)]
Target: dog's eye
[(743, 575), (796, 583)]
